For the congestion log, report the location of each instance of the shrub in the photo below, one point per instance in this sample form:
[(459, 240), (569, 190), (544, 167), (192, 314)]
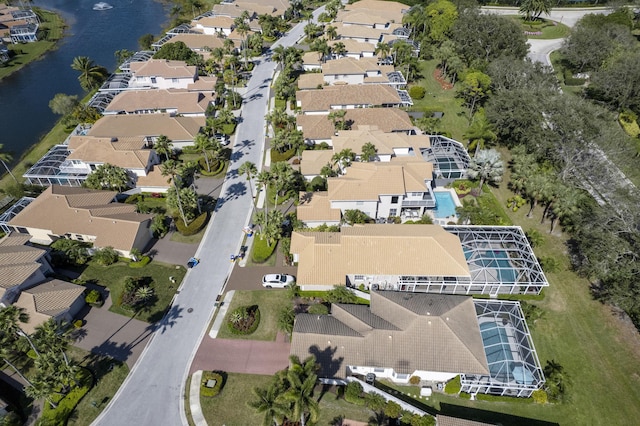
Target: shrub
[(628, 121), (353, 392), (106, 256), (570, 80), (93, 298), (78, 323), (453, 386), (550, 264), (215, 165), (340, 294), (215, 390), (244, 320), (416, 92), (141, 263), (318, 309), (539, 396), (194, 227), (134, 198), (260, 251), (414, 380), (277, 156), (498, 398), (66, 404)]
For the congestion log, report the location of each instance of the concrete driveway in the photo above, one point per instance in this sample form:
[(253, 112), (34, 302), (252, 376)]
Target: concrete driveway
[(242, 356), (114, 335)]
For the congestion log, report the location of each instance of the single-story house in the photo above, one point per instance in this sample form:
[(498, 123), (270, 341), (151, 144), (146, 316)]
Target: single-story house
[(323, 101), (153, 101)]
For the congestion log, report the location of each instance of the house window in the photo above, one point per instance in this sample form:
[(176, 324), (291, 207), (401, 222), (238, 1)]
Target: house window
[(359, 203), (394, 199), (393, 212), (378, 370), (358, 277), (153, 80), (174, 80)]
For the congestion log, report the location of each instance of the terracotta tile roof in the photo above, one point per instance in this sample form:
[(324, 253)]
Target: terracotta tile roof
[(216, 21), (198, 41), (125, 125), (310, 81), (163, 68), (12, 275), (185, 102), (103, 150), (47, 300), (314, 160), (367, 181), (403, 331), (203, 84), (377, 6), (316, 206), (357, 94), (350, 65), (371, 35), (60, 210), (153, 178), (386, 119), (354, 46), (385, 142), (326, 258)]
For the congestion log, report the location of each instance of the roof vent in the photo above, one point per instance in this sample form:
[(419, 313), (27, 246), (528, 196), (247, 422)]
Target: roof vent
[(328, 342), (318, 317), (429, 322), (447, 318)]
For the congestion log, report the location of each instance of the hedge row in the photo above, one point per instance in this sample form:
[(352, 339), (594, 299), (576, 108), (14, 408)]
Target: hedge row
[(141, 263), (194, 227), (261, 252), (277, 156)]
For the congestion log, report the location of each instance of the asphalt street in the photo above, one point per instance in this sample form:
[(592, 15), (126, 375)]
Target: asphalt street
[(153, 393)]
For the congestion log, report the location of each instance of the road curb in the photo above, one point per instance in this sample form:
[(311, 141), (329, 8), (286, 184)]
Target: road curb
[(194, 399)]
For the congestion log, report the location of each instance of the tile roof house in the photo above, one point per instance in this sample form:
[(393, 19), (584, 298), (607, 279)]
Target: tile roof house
[(434, 337), (21, 266), (216, 24), (154, 101), (377, 255), (374, 13), (319, 128), (84, 215), (55, 299), (382, 190), (348, 70), (315, 209), (355, 49), (181, 130), (162, 74), (322, 101), (199, 43)]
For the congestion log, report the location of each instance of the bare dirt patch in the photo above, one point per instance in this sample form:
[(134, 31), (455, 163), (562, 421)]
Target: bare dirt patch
[(437, 74)]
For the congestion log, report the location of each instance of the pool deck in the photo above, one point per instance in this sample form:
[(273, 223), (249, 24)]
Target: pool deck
[(456, 201)]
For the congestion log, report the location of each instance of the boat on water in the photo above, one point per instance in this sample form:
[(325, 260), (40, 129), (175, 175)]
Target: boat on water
[(102, 6)]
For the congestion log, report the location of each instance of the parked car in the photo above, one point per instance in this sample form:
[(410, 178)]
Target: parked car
[(223, 139), (277, 280)]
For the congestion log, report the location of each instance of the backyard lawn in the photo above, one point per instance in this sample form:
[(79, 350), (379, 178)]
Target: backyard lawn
[(270, 303), (113, 277), (455, 118)]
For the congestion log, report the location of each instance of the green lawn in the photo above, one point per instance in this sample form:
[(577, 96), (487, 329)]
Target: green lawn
[(436, 98), (51, 30), (270, 303), (229, 407), (108, 374), (113, 277), (550, 29)]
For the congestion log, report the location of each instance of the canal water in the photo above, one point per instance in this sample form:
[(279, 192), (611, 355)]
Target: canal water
[(24, 96)]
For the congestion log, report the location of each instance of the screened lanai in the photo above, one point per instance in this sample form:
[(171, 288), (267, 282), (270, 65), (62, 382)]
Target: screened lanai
[(513, 362), (12, 212), (500, 259), (450, 159), (52, 169)]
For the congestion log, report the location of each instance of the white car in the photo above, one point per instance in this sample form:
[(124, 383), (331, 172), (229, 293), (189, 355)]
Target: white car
[(277, 280)]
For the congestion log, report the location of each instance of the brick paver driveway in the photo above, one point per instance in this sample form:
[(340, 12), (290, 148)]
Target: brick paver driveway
[(242, 356)]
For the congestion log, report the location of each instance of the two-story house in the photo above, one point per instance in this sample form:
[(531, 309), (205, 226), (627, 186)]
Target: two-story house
[(162, 74), (154, 101), (353, 71)]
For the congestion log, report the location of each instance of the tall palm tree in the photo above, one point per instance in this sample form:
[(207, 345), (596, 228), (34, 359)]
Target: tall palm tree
[(5, 158), (264, 178), (337, 118), (339, 49), (91, 75), (535, 189), (331, 32), (300, 394), (163, 146), (487, 165), (343, 159), (266, 402), (204, 143), (566, 205), (10, 319), (282, 174), (170, 168), (382, 50), (250, 170), (480, 134), (369, 152), (279, 55)]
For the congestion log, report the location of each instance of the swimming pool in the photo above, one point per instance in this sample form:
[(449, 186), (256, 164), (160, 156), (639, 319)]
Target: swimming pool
[(445, 206)]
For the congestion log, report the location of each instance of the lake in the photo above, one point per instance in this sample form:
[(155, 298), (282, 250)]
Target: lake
[(24, 96)]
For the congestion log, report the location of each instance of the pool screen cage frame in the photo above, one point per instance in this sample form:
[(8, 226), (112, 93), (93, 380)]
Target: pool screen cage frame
[(485, 275), (502, 381), (448, 151)]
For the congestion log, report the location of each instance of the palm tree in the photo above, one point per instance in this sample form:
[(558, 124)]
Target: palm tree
[(170, 168), (331, 32), (337, 118), (535, 189), (91, 75), (41, 389), (369, 152), (343, 159), (250, 170), (480, 134), (532, 9), (279, 55), (302, 380), (272, 230), (266, 402), (144, 293), (10, 318), (163, 146), (204, 143), (566, 205), (5, 158), (282, 174), (382, 50), (264, 178), (339, 49), (135, 254), (486, 166)]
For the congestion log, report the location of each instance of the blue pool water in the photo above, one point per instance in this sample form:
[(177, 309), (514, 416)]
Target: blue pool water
[(495, 259), (445, 206)]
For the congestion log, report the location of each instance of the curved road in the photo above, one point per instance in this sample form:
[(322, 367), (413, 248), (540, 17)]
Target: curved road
[(153, 393)]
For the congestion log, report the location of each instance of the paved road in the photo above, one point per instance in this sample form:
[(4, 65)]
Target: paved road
[(153, 393)]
